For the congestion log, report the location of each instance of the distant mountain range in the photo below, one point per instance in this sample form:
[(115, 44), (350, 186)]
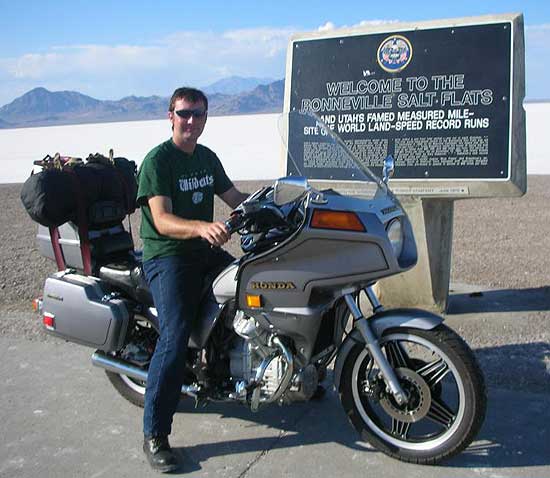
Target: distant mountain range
[(41, 107), (235, 85)]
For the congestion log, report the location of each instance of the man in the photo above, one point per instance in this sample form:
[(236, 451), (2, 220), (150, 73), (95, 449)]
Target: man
[(177, 183)]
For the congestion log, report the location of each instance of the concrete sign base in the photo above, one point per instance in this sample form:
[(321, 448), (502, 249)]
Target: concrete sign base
[(426, 285)]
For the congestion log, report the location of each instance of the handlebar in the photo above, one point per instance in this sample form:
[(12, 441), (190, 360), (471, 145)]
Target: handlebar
[(246, 209), (234, 223), (259, 214)]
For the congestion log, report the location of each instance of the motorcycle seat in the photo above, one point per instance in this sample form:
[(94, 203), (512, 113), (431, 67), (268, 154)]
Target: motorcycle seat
[(128, 276)]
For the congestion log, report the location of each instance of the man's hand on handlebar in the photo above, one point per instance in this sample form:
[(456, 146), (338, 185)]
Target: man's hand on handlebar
[(216, 233)]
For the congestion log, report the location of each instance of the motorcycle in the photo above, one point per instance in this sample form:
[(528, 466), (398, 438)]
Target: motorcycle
[(277, 318)]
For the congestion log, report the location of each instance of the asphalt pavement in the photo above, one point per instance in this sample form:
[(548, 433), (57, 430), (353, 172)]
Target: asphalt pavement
[(61, 418)]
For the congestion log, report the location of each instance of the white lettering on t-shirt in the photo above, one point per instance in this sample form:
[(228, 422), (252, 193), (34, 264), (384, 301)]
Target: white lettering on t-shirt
[(194, 183)]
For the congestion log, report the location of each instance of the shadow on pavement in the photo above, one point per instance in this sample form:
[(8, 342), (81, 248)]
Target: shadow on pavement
[(516, 431), (521, 367), (505, 300), (516, 434), (299, 425)]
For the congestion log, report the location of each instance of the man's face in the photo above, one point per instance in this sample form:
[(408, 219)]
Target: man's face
[(189, 123)]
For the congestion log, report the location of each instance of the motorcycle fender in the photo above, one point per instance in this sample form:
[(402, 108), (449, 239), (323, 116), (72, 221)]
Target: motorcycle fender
[(388, 319)]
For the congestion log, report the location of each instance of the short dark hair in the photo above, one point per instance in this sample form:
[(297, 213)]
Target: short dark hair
[(190, 94)]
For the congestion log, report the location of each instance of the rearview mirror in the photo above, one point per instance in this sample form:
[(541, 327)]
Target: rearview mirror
[(289, 189), (388, 169)]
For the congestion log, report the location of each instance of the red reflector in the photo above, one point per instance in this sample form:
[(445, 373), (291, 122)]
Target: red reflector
[(342, 220), (49, 321)]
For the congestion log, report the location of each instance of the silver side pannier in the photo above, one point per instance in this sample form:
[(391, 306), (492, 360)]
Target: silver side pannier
[(77, 308)]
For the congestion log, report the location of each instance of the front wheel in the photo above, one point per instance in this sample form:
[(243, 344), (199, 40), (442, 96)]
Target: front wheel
[(446, 395)]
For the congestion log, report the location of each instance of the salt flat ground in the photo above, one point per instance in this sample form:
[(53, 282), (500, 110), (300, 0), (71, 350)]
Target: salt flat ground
[(249, 145)]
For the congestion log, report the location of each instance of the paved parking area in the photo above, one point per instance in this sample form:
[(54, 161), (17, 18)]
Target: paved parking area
[(62, 418)]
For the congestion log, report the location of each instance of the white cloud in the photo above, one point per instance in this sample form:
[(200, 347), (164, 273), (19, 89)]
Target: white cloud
[(89, 59), (200, 56), (33, 65), (329, 26), (375, 23), (196, 57), (193, 58)]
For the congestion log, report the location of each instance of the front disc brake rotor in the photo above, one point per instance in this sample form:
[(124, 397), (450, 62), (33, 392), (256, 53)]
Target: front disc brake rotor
[(418, 394)]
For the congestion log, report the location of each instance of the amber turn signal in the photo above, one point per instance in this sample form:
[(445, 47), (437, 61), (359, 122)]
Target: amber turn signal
[(37, 304), (254, 301), (341, 220)]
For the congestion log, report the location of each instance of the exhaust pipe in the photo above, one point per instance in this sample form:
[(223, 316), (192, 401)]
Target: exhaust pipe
[(116, 365)]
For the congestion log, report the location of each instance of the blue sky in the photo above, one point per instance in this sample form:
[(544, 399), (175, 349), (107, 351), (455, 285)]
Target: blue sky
[(110, 49)]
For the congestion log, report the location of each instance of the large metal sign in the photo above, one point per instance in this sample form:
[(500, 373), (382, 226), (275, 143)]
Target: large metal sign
[(444, 98)]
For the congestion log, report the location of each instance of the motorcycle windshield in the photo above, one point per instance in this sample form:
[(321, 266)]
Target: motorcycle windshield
[(314, 150)]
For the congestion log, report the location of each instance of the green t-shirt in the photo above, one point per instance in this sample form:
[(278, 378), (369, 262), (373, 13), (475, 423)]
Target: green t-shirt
[(190, 180)]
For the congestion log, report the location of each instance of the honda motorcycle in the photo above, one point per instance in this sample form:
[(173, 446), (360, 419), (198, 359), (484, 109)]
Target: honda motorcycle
[(298, 301)]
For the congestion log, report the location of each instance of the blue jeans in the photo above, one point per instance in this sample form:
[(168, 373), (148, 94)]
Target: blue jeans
[(176, 283)]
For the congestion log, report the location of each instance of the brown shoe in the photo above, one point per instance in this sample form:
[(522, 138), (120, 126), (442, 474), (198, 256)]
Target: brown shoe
[(160, 455)]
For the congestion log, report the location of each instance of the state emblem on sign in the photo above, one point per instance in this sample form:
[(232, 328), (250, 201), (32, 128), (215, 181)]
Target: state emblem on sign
[(394, 53)]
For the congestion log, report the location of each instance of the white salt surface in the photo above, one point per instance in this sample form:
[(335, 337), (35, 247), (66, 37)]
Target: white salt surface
[(538, 137), (249, 146)]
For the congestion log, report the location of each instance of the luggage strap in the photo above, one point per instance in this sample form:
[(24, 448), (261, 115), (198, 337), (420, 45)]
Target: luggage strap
[(57, 251), (82, 223)]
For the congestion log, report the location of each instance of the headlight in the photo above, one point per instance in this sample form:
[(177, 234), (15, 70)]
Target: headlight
[(395, 235)]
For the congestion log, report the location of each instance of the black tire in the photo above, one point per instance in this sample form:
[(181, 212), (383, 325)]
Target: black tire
[(131, 389), (424, 435), (144, 338)]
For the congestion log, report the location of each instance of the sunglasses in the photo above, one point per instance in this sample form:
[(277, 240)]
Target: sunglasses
[(186, 114)]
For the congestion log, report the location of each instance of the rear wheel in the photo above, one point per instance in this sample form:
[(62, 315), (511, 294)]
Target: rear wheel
[(138, 352), (131, 389), (445, 389)]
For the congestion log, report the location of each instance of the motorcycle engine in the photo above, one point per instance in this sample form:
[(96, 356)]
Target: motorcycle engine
[(254, 360), (250, 350)]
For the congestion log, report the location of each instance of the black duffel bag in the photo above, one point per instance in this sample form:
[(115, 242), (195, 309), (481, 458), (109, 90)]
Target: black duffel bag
[(104, 188)]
